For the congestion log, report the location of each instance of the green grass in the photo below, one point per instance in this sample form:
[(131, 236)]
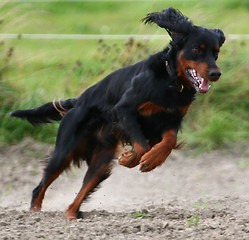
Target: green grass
[(193, 221), (116, 17), (36, 71), (141, 214)]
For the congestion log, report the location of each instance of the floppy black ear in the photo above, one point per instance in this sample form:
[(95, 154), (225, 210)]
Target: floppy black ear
[(172, 20), (220, 35)]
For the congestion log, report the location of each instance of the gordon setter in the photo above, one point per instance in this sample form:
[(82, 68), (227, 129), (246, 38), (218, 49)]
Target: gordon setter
[(141, 104)]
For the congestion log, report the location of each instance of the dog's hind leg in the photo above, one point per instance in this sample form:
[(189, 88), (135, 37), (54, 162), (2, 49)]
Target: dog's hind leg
[(54, 168), (99, 169), (67, 140)]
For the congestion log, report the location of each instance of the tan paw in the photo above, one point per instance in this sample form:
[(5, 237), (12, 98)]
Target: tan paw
[(151, 160), (128, 159)]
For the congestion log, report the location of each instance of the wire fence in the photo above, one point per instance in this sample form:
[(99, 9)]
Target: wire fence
[(103, 36)]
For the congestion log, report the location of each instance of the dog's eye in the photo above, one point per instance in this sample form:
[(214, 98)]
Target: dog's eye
[(196, 50)]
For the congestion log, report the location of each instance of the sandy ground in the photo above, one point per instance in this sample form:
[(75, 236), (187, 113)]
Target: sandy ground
[(190, 197)]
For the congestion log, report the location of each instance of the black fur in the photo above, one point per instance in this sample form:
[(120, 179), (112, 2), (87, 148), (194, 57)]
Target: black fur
[(45, 113), (142, 104), (172, 21)]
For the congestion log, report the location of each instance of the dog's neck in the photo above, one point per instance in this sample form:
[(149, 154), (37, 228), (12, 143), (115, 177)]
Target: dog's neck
[(170, 66)]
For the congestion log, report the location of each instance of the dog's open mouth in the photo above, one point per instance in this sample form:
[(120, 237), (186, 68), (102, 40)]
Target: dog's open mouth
[(200, 84)]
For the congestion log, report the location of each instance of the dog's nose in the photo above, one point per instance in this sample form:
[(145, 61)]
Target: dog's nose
[(214, 74)]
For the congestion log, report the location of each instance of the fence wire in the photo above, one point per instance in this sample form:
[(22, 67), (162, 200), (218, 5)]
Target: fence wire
[(103, 36)]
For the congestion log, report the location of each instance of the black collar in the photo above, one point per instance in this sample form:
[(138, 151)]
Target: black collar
[(173, 76)]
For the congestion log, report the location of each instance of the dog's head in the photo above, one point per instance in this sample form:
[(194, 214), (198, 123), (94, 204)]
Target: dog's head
[(197, 48)]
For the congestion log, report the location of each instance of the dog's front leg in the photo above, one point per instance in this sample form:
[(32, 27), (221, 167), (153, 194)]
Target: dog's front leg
[(126, 114), (159, 153)]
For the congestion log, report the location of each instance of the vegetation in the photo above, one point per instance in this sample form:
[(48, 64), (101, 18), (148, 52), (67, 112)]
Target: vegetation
[(141, 214), (33, 72), (193, 221)]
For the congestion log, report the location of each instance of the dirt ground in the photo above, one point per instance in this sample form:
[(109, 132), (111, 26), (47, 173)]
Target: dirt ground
[(190, 197)]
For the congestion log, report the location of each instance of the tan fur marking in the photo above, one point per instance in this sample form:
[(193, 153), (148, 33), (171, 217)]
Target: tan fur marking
[(149, 108)]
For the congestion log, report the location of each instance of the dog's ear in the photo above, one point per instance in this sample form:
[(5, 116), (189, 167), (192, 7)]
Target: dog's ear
[(220, 35), (172, 20)]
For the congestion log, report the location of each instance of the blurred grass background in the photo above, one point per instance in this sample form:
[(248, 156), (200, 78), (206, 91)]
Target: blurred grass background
[(34, 71)]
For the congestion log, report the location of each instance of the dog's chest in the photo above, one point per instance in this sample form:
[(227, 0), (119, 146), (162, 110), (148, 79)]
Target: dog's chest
[(165, 112), (165, 105), (150, 108)]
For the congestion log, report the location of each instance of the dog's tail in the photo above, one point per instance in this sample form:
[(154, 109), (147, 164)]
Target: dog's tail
[(49, 112)]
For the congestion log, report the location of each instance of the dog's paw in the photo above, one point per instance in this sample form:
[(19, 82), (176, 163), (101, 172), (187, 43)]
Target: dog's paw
[(35, 209), (128, 159), (151, 160), (71, 216)]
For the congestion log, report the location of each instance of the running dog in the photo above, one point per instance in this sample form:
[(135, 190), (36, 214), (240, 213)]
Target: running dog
[(141, 104)]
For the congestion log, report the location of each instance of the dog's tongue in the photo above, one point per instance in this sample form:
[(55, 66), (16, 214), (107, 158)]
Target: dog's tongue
[(204, 84)]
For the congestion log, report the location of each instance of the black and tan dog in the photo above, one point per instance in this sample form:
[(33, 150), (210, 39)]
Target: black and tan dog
[(141, 104)]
